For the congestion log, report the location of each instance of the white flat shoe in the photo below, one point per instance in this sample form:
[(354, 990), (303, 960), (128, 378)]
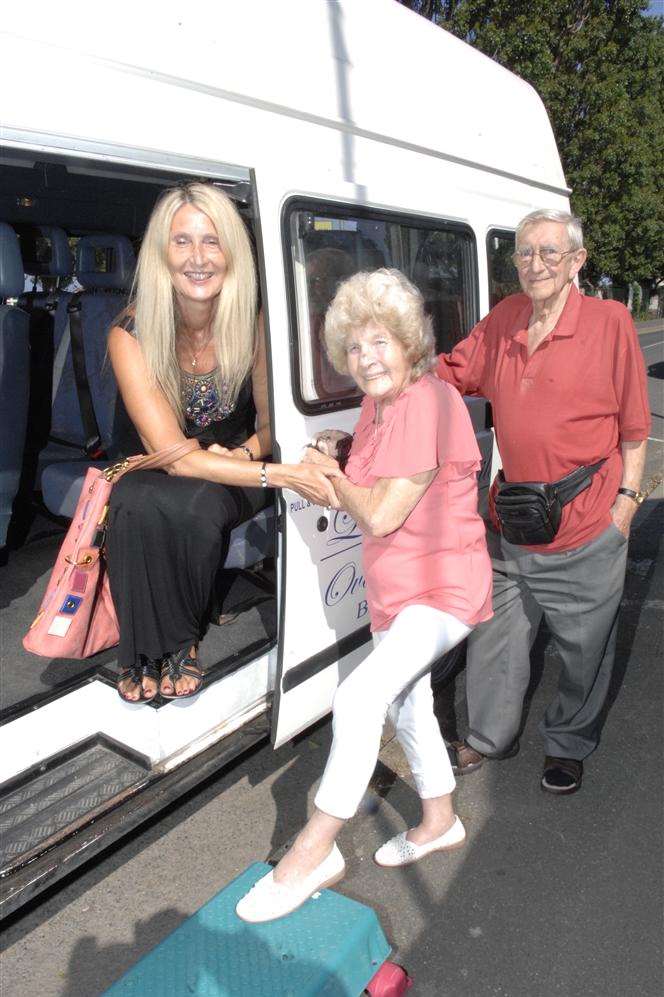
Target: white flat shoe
[(267, 900), (400, 851)]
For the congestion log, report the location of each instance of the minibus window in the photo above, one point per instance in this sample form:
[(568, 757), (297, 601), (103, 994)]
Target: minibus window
[(325, 247), (502, 275)]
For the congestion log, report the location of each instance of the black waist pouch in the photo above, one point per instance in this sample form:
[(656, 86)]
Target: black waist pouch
[(529, 512)]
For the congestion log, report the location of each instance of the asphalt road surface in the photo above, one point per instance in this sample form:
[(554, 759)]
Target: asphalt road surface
[(549, 896)]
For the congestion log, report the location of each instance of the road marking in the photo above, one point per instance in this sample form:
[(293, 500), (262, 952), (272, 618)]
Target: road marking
[(652, 345), (655, 439)]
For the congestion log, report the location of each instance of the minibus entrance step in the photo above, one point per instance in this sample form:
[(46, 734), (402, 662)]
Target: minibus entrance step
[(331, 945), (58, 796)]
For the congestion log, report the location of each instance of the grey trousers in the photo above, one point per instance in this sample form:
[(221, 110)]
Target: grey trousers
[(578, 592)]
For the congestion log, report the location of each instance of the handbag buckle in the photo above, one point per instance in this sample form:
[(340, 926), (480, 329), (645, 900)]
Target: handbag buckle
[(111, 472)]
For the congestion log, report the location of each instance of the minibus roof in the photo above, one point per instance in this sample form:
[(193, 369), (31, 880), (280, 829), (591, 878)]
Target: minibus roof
[(368, 67)]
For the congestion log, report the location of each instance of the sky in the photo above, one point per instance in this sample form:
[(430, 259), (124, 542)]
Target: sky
[(656, 7)]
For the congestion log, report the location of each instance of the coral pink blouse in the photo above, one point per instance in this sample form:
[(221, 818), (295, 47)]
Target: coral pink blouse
[(438, 556)]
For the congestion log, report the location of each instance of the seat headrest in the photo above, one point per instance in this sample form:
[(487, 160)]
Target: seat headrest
[(45, 250), (11, 264), (105, 261)]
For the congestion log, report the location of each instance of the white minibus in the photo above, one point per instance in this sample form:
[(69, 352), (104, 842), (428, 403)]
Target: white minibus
[(351, 136)]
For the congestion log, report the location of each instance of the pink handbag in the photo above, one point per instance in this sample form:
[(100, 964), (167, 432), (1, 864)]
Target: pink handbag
[(77, 618)]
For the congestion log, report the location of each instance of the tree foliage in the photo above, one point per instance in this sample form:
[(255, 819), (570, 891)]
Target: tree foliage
[(599, 67)]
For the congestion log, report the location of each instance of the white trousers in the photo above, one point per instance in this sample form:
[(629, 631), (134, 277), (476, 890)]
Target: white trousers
[(394, 678)]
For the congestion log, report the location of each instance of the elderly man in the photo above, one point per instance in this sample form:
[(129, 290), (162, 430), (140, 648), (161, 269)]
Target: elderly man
[(566, 381)]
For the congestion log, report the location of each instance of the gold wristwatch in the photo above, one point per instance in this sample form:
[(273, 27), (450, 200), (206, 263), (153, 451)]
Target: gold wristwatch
[(637, 497)]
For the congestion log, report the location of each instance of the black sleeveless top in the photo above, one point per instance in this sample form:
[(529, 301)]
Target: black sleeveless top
[(208, 417)]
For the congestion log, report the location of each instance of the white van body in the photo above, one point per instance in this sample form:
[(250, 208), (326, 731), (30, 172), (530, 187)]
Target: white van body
[(337, 103)]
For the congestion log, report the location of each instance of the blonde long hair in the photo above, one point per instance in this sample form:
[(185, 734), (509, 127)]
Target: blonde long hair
[(154, 304)]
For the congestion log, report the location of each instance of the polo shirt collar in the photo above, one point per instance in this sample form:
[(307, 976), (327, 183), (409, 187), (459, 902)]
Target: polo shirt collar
[(566, 325), (568, 322)]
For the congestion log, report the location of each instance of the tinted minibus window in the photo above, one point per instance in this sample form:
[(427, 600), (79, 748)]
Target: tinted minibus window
[(502, 273), (327, 245)]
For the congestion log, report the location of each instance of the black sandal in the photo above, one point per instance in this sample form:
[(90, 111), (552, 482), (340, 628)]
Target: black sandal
[(562, 776), (176, 666), (146, 669)]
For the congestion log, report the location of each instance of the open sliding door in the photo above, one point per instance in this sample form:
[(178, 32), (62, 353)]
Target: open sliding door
[(324, 628)]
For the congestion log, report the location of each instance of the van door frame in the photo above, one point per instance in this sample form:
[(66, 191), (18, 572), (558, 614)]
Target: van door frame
[(357, 639)]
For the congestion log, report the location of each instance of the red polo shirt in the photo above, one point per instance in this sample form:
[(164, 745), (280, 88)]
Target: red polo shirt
[(575, 400)]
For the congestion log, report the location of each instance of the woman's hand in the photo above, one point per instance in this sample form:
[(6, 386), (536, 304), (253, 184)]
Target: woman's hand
[(311, 483), (222, 451), (313, 456)]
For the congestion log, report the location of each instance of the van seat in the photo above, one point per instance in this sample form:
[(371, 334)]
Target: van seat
[(14, 374), (252, 541), (46, 254), (249, 543), (45, 251), (104, 267), (61, 484)]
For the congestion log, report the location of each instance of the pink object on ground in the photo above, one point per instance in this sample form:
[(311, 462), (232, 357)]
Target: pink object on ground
[(390, 981)]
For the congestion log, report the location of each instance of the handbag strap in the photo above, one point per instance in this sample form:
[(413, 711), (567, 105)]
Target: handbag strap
[(153, 461)]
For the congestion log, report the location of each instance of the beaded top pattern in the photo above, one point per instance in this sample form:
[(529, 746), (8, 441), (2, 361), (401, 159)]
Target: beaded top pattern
[(199, 396), (201, 401)]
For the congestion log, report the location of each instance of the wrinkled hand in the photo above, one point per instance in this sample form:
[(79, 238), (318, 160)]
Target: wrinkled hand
[(622, 513), (312, 484), (313, 456)]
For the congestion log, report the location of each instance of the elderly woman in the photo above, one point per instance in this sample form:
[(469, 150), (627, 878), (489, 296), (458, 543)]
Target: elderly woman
[(411, 485), (189, 359)]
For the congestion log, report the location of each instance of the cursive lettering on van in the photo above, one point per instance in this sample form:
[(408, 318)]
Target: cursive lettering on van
[(344, 528), (347, 580)]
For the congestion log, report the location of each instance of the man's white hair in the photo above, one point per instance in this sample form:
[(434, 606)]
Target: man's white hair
[(571, 222)]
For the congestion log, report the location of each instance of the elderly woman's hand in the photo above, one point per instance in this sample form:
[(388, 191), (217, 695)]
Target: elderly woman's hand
[(312, 483), (312, 455)]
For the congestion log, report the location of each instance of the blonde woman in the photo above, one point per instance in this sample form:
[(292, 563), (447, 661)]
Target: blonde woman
[(189, 359), (411, 486)]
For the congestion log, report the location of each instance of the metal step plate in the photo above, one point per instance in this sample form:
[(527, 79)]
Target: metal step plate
[(62, 794), (331, 945)]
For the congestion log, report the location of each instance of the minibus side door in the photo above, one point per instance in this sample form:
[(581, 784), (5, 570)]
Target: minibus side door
[(324, 615)]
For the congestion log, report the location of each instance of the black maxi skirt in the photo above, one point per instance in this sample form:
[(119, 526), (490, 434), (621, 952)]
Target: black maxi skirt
[(167, 539)]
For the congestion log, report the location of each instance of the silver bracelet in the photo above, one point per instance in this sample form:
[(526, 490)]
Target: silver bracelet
[(264, 475), (247, 451)]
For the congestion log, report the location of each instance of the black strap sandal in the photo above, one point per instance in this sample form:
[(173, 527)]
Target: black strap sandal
[(146, 669), (176, 666), (562, 776)]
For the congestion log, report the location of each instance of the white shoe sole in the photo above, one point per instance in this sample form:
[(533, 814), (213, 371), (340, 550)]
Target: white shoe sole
[(419, 858)]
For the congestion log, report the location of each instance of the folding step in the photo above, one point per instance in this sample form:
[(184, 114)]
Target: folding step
[(57, 797), (331, 945)]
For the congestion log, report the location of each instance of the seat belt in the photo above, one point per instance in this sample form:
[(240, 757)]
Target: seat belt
[(93, 446), (60, 359)]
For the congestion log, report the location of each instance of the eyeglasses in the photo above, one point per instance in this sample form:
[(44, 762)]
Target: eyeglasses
[(549, 256)]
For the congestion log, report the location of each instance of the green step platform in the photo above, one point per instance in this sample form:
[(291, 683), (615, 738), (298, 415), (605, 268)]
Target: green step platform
[(331, 946)]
